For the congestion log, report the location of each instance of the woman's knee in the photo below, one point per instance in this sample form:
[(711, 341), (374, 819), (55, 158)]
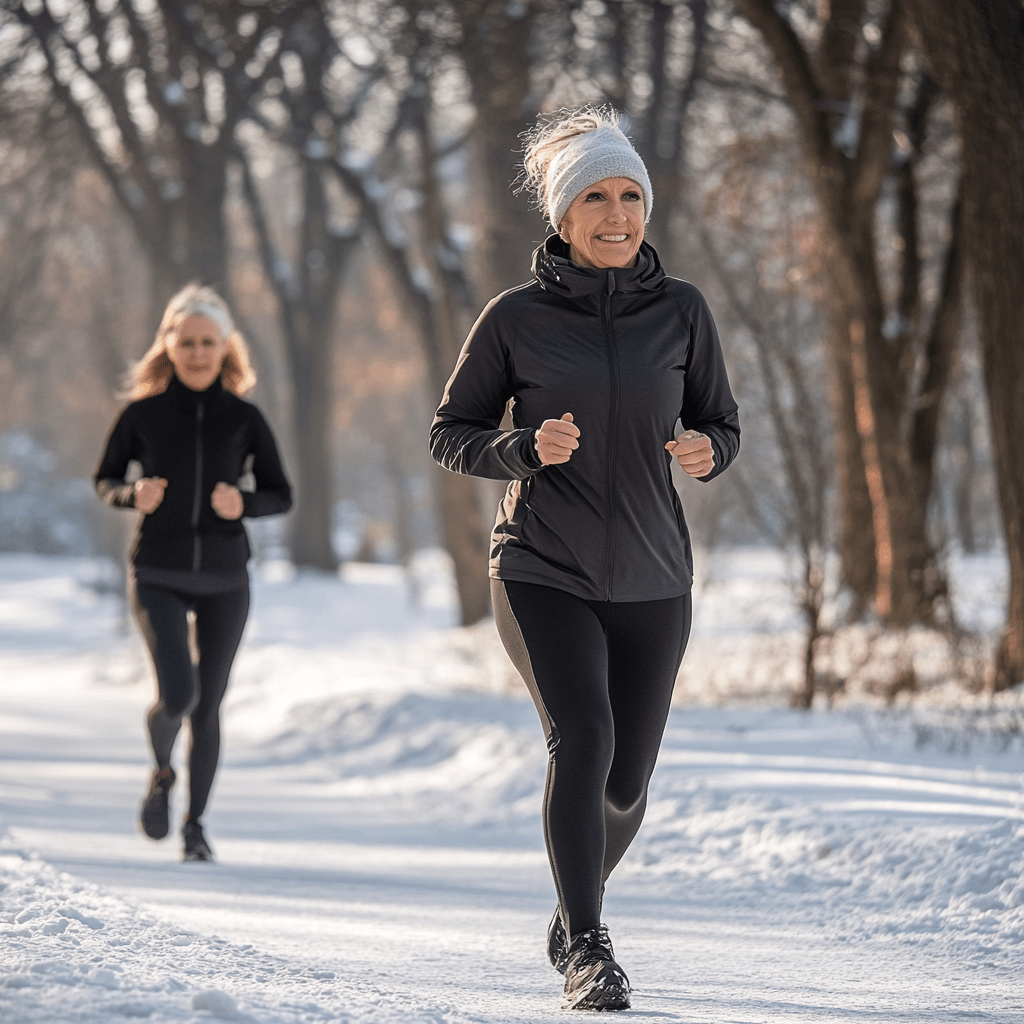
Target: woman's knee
[(587, 741), (625, 798), (626, 789), (180, 703), (205, 716)]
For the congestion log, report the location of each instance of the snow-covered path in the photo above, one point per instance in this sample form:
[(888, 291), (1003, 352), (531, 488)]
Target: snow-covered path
[(379, 848)]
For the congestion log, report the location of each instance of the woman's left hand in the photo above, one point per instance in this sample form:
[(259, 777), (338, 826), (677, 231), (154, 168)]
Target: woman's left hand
[(693, 452), (227, 501)]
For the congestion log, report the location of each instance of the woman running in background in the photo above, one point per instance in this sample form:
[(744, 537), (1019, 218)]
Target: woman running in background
[(192, 433)]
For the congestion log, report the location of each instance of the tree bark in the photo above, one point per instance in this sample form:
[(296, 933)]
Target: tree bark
[(495, 51), (660, 136), (973, 48), (856, 534)]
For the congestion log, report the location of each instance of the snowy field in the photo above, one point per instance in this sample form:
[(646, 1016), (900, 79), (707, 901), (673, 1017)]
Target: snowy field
[(376, 823)]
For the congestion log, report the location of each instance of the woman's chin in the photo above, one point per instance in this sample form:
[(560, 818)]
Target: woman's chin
[(197, 382), (614, 258)]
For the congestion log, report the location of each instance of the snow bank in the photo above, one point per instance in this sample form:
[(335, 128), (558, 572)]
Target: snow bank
[(74, 952)]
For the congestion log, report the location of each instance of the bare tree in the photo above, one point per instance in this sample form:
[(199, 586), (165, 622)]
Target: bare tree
[(37, 155), (974, 48), (757, 229), (890, 363), (160, 96), (156, 94), (431, 279), (308, 113)]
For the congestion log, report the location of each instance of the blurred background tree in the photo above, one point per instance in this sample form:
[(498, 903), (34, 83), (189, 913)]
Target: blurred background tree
[(825, 170)]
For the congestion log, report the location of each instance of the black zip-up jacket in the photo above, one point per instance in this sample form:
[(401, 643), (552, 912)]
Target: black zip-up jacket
[(193, 439), (628, 352)]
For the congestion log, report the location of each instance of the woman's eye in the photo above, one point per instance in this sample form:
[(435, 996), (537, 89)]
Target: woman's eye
[(594, 195), (209, 343), (631, 196)]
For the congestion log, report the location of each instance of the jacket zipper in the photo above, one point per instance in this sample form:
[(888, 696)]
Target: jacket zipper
[(613, 431), (197, 551)]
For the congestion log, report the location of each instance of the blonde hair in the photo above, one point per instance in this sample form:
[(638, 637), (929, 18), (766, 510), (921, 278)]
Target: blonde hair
[(152, 373), (558, 163)]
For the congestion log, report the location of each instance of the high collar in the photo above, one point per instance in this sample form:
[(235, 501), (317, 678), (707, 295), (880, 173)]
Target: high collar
[(185, 397), (556, 273)]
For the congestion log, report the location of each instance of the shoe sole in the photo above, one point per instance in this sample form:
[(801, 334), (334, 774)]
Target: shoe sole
[(611, 997)]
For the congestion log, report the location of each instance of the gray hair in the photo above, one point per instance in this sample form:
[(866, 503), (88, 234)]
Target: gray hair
[(571, 149)]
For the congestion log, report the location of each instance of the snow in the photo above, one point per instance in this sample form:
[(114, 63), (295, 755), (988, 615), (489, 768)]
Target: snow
[(376, 824)]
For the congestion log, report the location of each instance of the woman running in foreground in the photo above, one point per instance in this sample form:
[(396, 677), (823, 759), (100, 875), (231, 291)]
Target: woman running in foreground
[(600, 355)]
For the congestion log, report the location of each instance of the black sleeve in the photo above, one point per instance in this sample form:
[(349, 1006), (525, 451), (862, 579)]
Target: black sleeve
[(273, 493), (120, 450), (465, 435), (708, 404)]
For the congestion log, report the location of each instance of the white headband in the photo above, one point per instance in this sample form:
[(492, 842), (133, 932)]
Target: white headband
[(587, 159), (213, 312)]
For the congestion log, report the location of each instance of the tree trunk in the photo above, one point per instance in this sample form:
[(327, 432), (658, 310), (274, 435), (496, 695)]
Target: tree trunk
[(856, 529), (309, 316), (203, 251), (466, 542), (974, 49), (495, 49), (660, 135), (310, 526)]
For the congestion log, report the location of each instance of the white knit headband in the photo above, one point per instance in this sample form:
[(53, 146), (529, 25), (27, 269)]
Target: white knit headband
[(587, 159), (212, 312)]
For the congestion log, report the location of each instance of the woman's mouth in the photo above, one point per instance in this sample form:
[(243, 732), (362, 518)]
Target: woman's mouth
[(612, 238)]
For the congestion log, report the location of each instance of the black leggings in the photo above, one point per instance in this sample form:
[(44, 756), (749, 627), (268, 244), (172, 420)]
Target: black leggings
[(601, 675), (182, 687)]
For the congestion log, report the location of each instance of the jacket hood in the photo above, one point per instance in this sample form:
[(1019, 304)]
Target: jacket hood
[(556, 273)]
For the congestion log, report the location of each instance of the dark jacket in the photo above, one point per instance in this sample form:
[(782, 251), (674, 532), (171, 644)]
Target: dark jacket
[(628, 352), (193, 439)]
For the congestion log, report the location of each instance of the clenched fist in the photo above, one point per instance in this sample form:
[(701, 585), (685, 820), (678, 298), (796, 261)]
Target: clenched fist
[(693, 452), (149, 492), (227, 501), (556, 440)]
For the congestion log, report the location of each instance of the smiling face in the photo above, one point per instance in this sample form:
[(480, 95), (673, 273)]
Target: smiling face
[(604, 226), (196, 351)]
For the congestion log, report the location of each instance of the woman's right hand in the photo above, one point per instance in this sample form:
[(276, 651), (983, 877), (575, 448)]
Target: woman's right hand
[(556, 440), (149, 492)]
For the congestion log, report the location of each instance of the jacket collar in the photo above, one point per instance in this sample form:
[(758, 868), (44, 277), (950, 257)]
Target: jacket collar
[(557, 274), (186, 398)]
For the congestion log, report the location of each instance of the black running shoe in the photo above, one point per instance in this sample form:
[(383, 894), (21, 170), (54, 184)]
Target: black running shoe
[(558, 944), (593, 980), (153, 816), (196, 846)]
